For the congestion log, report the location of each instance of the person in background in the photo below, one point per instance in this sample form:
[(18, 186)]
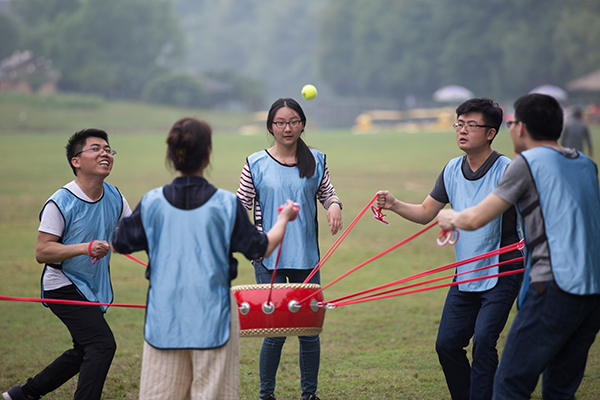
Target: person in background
[(76, 226), (479, 309), (289, 169), (576, 133), (556, 189), (189, 229)]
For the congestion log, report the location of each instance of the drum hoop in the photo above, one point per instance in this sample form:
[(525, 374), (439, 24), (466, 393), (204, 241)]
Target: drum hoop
[(276, 286), (268, 332)]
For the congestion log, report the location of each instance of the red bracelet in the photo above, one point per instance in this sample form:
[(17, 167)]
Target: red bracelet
[(90, 248)]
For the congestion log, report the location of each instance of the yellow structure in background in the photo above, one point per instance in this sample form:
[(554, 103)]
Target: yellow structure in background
[(418, 119)]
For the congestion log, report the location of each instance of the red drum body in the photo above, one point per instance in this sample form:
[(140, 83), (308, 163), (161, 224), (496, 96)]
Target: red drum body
[(283, 316)]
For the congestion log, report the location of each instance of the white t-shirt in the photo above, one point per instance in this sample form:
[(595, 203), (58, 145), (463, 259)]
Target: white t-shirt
[(52, 222)]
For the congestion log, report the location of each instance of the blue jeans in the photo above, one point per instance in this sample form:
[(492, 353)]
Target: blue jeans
[(481, 316), (310, 346), (551, 334)]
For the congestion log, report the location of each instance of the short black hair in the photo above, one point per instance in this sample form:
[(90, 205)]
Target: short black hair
[(77, 141), (541, 114), (491, 111)]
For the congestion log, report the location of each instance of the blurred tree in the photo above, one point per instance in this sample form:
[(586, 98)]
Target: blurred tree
[(376, 48), (34, 13), (109, 46), (9, 32), (183, 90), (499, 48), (230, 87), (576, 35), (273, 41)]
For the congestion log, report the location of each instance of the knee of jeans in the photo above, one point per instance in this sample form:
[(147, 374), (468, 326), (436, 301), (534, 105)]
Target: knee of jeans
[(484, 343), (444, 344), (274, 342), (310, 340)]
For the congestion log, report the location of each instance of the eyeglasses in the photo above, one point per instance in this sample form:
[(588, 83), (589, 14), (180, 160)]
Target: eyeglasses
[(293, 124), (98, 149), (470, 127), (511, 123)]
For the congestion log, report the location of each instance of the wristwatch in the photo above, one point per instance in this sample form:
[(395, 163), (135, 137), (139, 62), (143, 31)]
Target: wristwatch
[(338, 203)]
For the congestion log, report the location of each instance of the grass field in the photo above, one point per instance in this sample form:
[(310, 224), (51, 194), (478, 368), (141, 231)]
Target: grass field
[(376, 350)]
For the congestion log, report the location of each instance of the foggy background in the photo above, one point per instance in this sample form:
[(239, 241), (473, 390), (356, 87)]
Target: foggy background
[(244, 54)]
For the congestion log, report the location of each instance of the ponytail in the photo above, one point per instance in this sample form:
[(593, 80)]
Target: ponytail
[(305, 160)]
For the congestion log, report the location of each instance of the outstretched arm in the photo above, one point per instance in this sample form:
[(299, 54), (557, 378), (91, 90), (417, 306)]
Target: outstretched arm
[(420, 213), (474, 217)]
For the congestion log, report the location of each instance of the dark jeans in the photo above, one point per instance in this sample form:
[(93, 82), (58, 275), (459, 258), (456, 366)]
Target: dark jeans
[(551, 334), (92, 353), (310, 346), (481, 316)]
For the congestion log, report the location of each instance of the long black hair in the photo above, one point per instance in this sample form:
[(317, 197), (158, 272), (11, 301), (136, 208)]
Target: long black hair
[(305, 160)]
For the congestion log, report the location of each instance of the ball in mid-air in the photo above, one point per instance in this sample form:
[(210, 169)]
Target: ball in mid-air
[(309, 92)]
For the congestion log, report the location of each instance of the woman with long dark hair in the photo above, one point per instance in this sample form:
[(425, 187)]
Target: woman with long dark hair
[(289, 170)]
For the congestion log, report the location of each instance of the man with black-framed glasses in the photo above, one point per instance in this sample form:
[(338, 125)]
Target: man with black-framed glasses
[(76, 226), (477, 310), (556, 189)]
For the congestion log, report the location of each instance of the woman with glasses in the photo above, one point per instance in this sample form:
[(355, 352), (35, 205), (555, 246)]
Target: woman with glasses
[(291, 170)]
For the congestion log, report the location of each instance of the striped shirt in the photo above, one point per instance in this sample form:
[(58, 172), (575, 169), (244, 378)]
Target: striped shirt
[(247, 192)]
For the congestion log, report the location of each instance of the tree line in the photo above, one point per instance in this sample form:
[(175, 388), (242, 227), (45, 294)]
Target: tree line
[(496, 48), (209, 52)]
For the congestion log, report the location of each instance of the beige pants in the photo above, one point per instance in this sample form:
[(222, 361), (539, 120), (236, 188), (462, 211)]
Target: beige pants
[(212, 374)]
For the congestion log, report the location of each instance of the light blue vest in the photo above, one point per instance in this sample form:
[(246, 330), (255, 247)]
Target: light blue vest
[(570, 204), (463, 194), (85, 222), (188, 302), (275, 184)]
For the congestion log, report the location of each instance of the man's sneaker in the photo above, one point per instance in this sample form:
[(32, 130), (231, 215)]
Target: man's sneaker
[(313, 397), (15, 393), (269, 397)]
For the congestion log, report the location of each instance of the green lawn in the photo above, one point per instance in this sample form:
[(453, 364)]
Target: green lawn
[(377, 350)]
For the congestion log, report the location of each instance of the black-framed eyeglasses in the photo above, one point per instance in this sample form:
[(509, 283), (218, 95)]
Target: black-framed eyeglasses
[(293, 123), (511, 123), (470, 127), (98, 149)]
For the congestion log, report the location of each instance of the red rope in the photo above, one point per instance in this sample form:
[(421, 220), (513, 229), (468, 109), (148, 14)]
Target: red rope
[(72, 302), (339, 240), (275, 269), (502, 250), (373, 259), (344, 303), (430, 280), (135, 259)]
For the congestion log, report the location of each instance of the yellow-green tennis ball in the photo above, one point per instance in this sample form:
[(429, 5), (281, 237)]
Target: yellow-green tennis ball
[(309, 92)]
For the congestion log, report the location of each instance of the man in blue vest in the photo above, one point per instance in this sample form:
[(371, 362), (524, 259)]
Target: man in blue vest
[(76, 227), (479, 309), (556, 190)]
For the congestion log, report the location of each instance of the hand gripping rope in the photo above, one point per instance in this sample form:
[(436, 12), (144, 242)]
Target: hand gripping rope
[(445, 237), (268, 306), (76, 302)]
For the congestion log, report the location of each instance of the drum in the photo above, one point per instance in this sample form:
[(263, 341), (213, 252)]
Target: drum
[(283, 316)]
